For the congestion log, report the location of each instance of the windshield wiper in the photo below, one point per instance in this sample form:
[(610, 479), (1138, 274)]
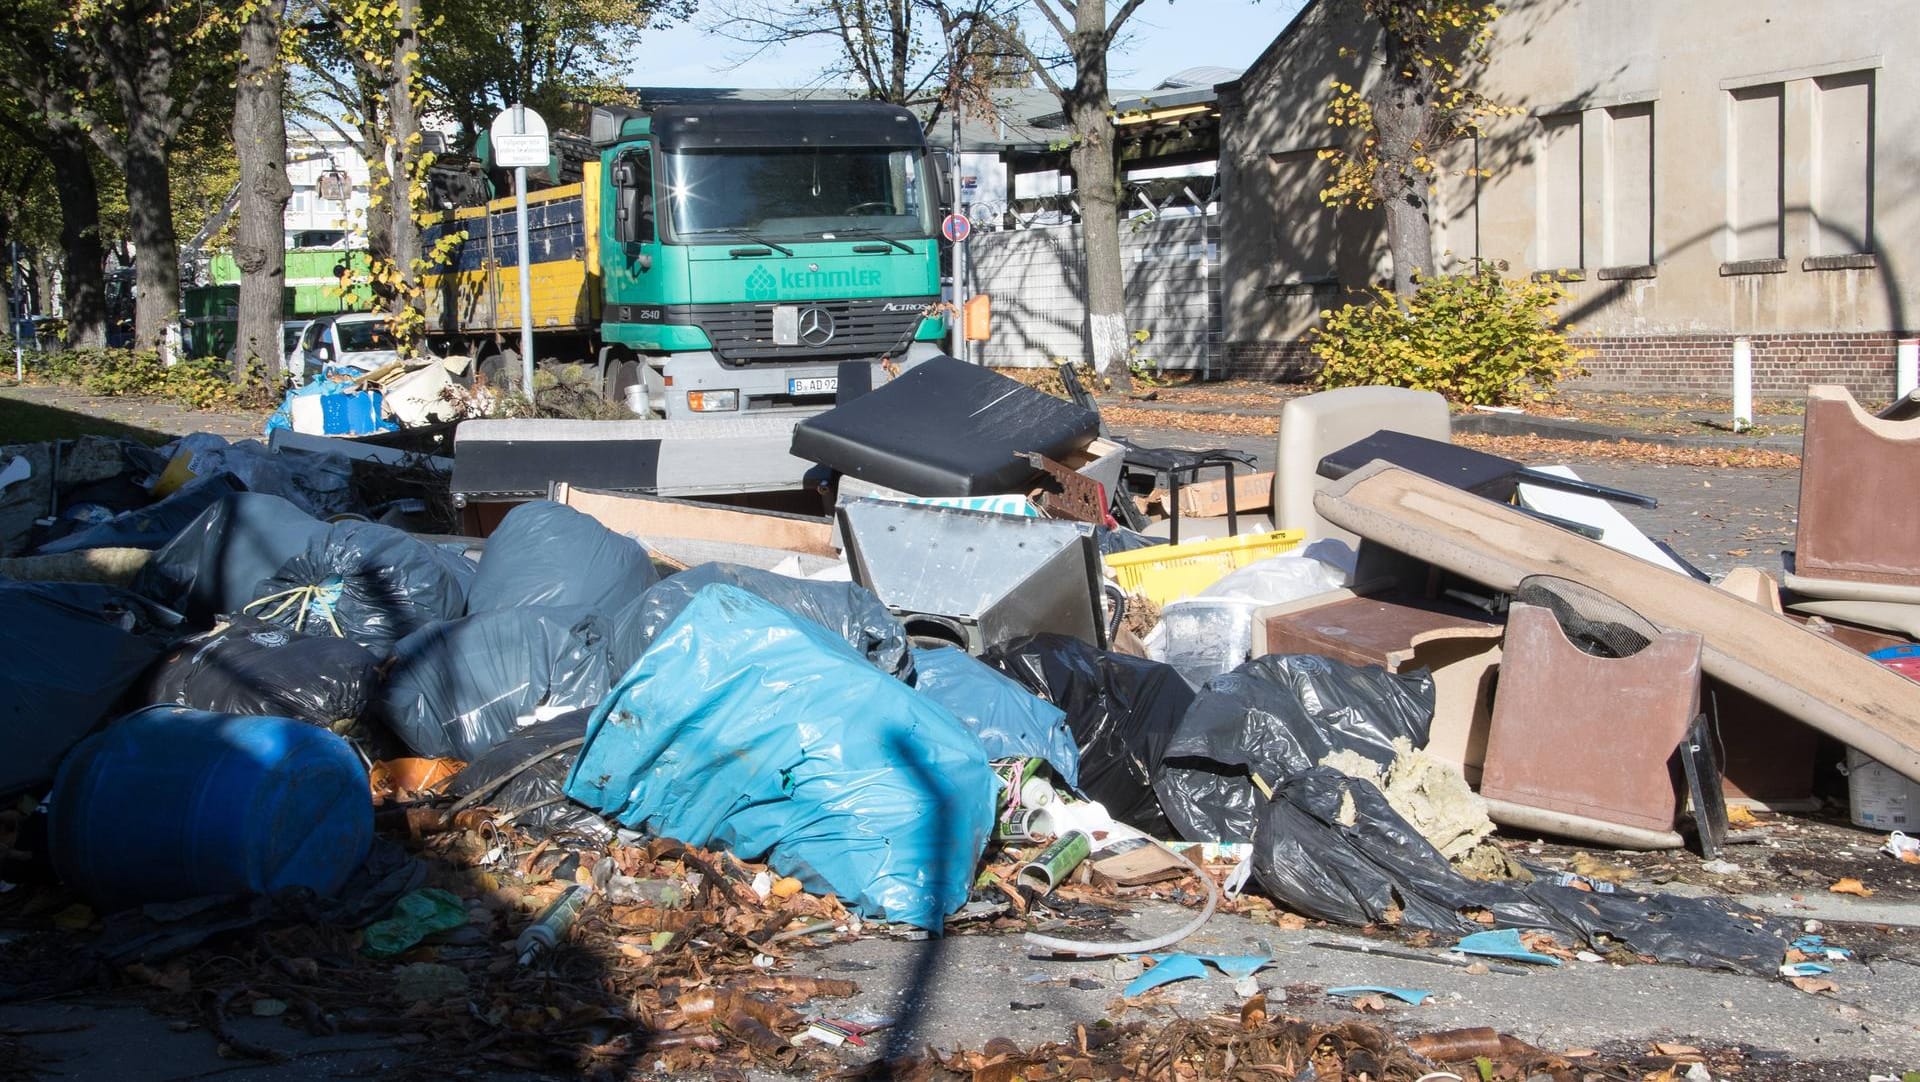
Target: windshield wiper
[(743, 235), (875, 234)]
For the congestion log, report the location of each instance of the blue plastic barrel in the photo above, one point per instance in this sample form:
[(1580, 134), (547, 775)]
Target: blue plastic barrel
[(169, 803)]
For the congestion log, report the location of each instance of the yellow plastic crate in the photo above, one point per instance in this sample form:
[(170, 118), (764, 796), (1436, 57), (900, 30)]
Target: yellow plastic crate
[(1170, 572)]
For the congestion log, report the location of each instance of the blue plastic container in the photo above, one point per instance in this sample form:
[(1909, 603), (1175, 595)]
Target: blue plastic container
[(170, 803)]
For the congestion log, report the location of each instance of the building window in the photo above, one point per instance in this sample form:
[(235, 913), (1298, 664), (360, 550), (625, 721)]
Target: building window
[(1627, 186), (299, 204), (1843, 164), (1557, 233), (1754, 171)]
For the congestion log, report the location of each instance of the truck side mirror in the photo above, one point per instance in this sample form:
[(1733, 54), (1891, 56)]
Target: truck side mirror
[(941, 162)]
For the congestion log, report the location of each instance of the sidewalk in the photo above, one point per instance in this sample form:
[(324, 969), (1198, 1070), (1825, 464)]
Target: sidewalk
[(1591, 416)]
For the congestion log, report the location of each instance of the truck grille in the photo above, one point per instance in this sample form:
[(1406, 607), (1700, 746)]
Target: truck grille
[(861, 328)]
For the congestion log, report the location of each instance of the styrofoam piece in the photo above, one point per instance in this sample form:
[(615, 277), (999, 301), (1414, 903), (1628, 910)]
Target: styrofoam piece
[(1616, 532)]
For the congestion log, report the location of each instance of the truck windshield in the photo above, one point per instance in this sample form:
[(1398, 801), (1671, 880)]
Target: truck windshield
[(799, 194)]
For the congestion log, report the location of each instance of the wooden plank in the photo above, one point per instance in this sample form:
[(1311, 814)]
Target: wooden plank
[(1811, 678), (650, 516)]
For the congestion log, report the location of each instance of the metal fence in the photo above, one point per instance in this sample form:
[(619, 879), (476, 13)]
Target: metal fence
[(1037, 278)]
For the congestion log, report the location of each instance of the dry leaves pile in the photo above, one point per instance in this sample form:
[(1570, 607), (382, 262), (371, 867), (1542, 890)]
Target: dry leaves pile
[(1212, 424), (1537, 449)]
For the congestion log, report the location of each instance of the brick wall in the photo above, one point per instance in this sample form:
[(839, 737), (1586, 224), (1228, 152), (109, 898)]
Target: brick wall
[(1783, 364), (1281, 362)]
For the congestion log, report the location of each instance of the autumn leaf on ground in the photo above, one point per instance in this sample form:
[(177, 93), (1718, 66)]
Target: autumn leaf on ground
[(1852, 886), (1676, 1051), (1814, 984)]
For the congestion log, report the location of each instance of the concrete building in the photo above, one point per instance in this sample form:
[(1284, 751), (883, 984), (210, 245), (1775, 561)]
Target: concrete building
[(314, 220), (1701, 171)]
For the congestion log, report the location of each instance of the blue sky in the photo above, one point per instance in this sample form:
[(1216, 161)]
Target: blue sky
[(1166, 36)]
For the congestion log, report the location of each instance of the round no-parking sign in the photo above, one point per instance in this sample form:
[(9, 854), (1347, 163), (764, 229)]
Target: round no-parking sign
[(956, 228)]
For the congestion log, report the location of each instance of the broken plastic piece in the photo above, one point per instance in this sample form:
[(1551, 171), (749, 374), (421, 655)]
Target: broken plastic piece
[(1408, 995), (1504, 943), (415, 917), (1168, 968)]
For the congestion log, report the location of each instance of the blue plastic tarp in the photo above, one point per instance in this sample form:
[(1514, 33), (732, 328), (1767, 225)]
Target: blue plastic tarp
[(1010, 721), (847, 608), (751, 728)]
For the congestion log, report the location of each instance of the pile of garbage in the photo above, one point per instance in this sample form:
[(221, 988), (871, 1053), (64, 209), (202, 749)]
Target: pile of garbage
[(437, 758)]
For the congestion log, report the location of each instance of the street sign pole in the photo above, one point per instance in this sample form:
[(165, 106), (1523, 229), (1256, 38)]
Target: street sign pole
[(960, 245), (518, 141), (526, 272)]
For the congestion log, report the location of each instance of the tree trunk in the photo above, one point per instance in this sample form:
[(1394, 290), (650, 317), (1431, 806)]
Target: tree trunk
[(1410, 239), (83, 285), (138, 50), (1402, 109), (405, 131), (156, 251), (1095, 162), (260, 142)]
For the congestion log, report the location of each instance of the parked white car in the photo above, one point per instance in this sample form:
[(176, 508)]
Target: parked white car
[(362, 341)]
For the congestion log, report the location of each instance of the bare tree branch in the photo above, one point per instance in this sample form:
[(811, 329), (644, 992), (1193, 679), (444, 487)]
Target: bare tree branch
[(1126, 12)]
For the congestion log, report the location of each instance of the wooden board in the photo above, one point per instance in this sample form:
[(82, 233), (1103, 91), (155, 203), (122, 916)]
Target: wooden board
[(649, 516), (1814, 679)]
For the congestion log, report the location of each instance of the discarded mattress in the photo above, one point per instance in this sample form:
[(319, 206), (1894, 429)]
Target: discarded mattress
[(751, 728)]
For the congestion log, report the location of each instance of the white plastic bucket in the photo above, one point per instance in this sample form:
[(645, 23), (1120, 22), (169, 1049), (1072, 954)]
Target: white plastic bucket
[(637, 399), (1878, 797)]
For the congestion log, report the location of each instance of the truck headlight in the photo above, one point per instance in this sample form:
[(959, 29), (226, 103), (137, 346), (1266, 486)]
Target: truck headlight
[(713, 401)]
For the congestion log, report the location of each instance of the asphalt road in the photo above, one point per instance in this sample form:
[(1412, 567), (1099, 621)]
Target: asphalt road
[(1718, 519)]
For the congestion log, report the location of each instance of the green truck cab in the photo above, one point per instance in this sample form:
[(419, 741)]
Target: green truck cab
[(715, 259)]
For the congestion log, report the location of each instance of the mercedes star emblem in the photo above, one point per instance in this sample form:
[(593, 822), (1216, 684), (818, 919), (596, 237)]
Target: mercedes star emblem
[(816, 326)]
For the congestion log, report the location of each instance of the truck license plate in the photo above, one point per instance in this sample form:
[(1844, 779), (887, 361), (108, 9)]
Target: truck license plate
[(813, 385)]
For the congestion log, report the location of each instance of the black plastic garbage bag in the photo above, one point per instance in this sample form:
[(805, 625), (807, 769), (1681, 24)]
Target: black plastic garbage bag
[(844, 608), (1123, 711), (527, 777), (460, 687), (1275, 717), (366, 582), (544, 553), (1330, 847), (250, 666), (213, 565), (68, 654), (151, 526)]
